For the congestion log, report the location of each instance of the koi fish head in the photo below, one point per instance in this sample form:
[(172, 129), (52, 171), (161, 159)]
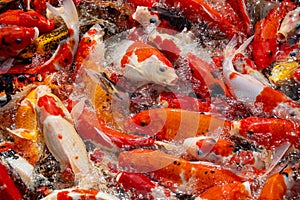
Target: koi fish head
[(14, 39), (141, 62)]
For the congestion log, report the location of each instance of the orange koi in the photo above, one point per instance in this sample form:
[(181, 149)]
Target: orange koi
[(269, 132), (278, 184), (236, 190), (174, 124), (13, 39), (27, 19), (179, 175), (265, 40)]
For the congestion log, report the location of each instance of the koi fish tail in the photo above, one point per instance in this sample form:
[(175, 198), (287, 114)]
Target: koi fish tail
[(69, 13)]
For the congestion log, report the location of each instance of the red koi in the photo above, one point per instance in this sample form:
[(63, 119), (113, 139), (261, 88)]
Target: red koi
[(269, 132), (8, 189), (177, 174), (14, 39), (27, 19), (142, 186), (175, 100), (201, 10), (265, 44)]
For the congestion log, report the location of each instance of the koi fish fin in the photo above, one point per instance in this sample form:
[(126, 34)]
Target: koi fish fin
[(104, 82), (23, 133), (69, 12)]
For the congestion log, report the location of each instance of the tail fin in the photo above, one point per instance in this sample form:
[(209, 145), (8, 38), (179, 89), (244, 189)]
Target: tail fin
[(69, 12), (229, 50)]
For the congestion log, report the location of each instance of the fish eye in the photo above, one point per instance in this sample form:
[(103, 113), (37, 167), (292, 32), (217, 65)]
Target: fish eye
[(18, 40), (152, 20), (162, 68)]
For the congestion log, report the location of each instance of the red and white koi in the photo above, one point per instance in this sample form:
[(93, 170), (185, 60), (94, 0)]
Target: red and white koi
[(63, 57), (141, 63), (13, 39), (246, 88), (79, 194), (224, 152), (177, 174), (61, 137)]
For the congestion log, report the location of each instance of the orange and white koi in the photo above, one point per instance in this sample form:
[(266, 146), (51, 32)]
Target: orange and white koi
[(246, 88), (205, 80), (13, 39), (61, 137), (79, 194), (289, 25), (141, 63), (27, 19), (175, 124), (269, 132), (265, 44), (86, 46), (224, 152), (277, 186), (143, 187), (64, 55), (179, 175), (236, 190)]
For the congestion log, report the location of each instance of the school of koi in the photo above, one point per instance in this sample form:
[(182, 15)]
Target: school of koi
[(149, 99)]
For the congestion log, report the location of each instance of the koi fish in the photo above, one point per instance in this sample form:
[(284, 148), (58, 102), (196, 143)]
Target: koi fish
[(64, 55), (143, 186), (246, 88), (278, 184), (179, 175), (265, 41), (26, 133), (27, 19), (141, 63), (224, 152), (175, 124), (61, 137), (14, 39), (269, 132), (289, 25), (45, 44), (236, 190)]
